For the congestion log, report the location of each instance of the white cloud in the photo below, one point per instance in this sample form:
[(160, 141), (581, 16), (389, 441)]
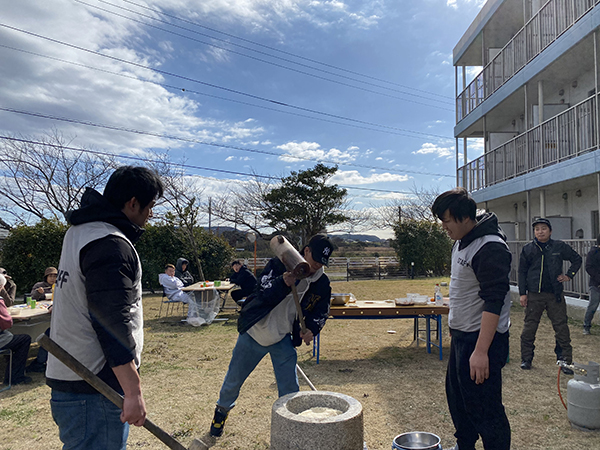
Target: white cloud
[(354, 177), (433, 149), (229, 158), (296, 151)]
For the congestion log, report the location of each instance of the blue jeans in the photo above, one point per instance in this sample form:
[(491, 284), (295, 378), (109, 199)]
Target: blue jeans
[(592, 307), (246, 356), (88, 422)]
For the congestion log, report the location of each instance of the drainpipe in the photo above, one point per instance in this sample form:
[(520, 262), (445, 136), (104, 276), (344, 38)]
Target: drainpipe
[(542, 203), (596, 84), (598, 184), (526, 116)]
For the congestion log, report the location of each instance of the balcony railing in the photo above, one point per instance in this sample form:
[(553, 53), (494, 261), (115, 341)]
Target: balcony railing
[(562, 137), (553, 19)]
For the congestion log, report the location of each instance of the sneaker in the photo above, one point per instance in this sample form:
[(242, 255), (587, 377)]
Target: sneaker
[(526, 365), (586, 332), (218, 422), (36, 367), (24, 380)]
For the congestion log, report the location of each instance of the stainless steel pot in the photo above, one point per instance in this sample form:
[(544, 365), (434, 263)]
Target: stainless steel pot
[(417, 440)]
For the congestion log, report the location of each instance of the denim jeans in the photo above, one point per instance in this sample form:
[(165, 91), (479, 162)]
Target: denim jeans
[(592, 307), (88, 422), (246, 356)]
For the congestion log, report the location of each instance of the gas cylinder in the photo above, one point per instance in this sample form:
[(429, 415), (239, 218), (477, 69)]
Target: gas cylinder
[(583, 396)]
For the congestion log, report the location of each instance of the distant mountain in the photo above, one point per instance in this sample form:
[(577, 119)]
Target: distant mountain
[(358, 237)]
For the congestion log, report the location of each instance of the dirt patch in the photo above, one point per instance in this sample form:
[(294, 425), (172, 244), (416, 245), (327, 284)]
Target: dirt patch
[(400, 386)]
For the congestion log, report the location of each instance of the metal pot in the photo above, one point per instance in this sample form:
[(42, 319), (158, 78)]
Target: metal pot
[(417, 440)]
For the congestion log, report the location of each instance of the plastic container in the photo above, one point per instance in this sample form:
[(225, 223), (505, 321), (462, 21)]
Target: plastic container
[(439, 299)]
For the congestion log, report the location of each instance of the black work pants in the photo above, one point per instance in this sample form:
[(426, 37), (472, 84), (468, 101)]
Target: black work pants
[(537, 303), (477, 409), (20, 348)]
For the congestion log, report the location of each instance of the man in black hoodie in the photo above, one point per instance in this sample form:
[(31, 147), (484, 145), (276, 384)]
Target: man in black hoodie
[(541, 289), (244, 278), (97, 312), (478, 322), (268, 323)]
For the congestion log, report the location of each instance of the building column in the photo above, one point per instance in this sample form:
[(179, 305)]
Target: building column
[(542, 203), (528, 218), (540, 101)]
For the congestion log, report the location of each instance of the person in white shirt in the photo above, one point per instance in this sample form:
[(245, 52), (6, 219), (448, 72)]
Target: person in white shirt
[(173, 285)]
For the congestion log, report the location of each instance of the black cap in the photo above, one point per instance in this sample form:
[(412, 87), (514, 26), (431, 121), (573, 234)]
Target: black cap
[(543, 222), (321, 248)]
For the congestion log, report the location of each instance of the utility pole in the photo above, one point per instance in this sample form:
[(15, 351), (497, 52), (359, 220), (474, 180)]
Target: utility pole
[(209, 214)]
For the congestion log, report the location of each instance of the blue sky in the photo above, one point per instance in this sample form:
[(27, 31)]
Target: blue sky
[(261, 79)]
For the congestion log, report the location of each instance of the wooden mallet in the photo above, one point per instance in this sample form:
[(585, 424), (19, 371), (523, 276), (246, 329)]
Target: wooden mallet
[(68, 360)]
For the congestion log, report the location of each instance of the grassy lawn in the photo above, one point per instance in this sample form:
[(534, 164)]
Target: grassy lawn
[(400, 386)]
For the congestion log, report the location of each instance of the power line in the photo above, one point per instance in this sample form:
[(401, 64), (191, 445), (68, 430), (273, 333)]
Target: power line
[(278, 50), (181, 165), (164, 72), (213, 144), (262, 60), (191, 91)]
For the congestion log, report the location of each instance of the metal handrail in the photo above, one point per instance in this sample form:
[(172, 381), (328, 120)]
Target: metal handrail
[(564, 136), (543, 28)]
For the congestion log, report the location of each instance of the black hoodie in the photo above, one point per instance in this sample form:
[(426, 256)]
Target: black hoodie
[(491, 264), (110, 267)]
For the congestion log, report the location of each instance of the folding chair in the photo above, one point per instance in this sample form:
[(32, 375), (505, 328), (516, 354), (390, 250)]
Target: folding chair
[(8, 352), (169, 303)]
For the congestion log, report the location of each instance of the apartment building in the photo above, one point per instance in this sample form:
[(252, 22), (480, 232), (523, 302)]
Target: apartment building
[(526, 86)]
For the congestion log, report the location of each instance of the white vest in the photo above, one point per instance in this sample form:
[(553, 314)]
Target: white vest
[(71, 325), (466, 306)]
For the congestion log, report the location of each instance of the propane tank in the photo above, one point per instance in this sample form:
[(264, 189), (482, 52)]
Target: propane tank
[(583, 396)]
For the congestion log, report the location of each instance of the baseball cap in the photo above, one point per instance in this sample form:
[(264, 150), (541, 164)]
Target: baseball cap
[(542, 221), (321, 248)]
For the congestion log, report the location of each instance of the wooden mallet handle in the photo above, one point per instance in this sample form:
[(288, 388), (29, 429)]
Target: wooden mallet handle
[(68, 360)]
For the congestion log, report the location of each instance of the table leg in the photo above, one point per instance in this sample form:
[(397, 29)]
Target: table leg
[(416, 330), (428, 331), (439, 332)]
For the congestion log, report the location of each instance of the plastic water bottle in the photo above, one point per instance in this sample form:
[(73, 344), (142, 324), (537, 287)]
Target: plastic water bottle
[(439, 300)]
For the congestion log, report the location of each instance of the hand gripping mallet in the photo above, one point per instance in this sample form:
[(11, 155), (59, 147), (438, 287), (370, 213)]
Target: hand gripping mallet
[(68, 360), (294, 263)]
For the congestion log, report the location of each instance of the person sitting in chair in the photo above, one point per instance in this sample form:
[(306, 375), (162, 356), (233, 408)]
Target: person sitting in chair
[(244, 278), (172, 285), (182, 273)]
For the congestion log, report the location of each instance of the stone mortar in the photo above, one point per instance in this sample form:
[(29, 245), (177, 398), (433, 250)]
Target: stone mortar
[(289, 431)]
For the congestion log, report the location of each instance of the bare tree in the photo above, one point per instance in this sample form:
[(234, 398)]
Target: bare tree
[(182, 198), (416, 206), (43, 177)]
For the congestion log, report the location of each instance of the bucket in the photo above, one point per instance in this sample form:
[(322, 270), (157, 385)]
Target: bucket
[(417, 440)]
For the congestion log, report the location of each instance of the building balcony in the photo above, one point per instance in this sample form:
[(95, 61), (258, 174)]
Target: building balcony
[(546, 26), (565, 136)]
